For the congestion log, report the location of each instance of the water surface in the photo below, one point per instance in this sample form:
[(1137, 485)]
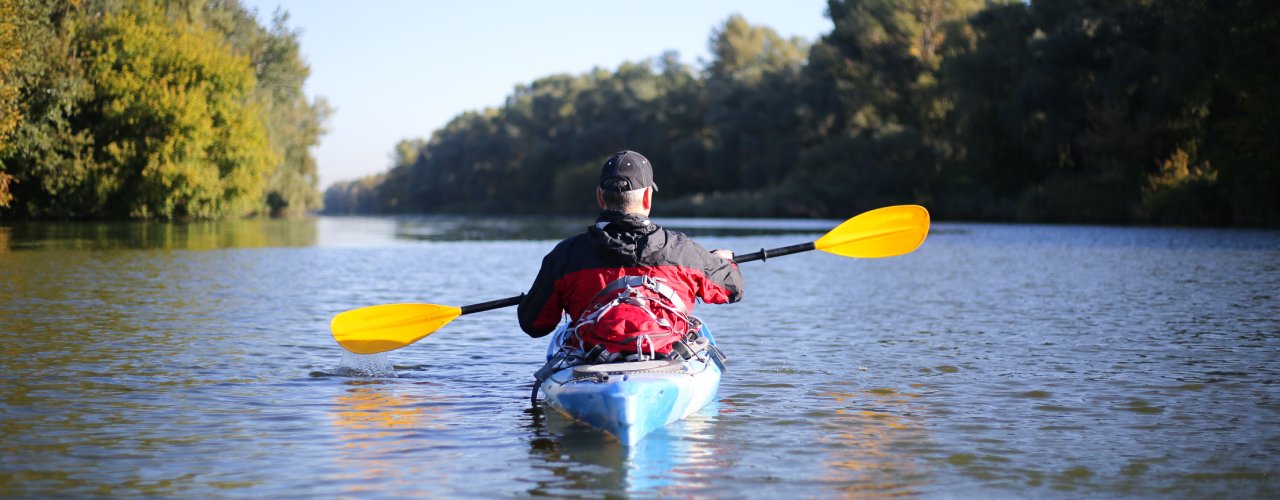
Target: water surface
[(995, 361)]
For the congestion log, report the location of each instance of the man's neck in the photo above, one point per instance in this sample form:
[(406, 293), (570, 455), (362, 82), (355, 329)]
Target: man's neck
[(632, 218)]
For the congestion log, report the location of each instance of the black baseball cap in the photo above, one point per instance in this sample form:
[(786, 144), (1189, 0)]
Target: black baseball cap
[(626, 171)]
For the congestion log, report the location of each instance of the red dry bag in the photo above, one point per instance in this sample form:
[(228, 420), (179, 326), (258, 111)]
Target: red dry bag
[(634, 314)]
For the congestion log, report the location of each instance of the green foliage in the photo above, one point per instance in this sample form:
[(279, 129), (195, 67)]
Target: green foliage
[(174, 109), (176, 133), (1085, 103), (540, 152), (879, 114), (1070, 111), (1183, 192), (354, 197), (11, 16), (294, 125), (48, 158), (1235, 114), (748, 53), (752, 120)]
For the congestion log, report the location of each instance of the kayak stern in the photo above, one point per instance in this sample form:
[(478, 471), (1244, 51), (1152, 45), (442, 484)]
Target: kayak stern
[(630, 402)]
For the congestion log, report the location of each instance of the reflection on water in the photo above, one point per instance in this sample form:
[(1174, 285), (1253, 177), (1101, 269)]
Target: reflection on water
[(871, 439), (376, 424), (368, 230), (202, 235), (676, 461), (341, 231)]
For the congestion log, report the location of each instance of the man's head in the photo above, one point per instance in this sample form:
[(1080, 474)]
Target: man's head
[(626, 183)]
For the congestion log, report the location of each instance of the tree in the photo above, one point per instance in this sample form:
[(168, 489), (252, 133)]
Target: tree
[(293, 124), (1087, 111), (753, 113), (174, 108), (876, 107), (1229, 51), (46, 158), (1071, 110), (11, 17), (171, 119)]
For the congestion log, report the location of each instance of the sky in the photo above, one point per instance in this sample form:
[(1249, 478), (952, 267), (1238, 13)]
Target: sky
[(397, 69)]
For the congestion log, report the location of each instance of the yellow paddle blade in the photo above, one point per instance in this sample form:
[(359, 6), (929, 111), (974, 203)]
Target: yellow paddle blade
[(374, 329), (883, 232)]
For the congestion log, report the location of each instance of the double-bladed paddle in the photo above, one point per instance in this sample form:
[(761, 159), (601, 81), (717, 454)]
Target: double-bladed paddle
[(883, 232)]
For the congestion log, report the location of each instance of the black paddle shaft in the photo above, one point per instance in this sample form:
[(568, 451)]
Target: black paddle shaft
[(776, 252), (761, 255), (492, 304)]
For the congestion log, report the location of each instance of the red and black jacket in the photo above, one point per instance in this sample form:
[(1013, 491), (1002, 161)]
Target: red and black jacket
[(618, 245)]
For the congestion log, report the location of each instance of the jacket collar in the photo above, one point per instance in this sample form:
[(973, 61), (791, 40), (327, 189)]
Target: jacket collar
[(623, 222)]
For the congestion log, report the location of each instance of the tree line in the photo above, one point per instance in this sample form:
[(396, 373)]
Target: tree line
[(1115, 111), (169, 109)]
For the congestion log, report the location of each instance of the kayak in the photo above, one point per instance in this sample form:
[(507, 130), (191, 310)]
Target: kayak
[(630, 400)]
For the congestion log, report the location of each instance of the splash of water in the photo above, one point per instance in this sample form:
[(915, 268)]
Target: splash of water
[(366, 365)]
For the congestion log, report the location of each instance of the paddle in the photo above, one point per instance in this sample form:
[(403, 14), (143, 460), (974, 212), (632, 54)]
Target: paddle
[(883, 232)]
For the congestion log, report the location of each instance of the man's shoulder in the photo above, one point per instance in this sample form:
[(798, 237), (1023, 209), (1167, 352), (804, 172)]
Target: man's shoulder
[(676, 237), (678, 248), (570, 241)]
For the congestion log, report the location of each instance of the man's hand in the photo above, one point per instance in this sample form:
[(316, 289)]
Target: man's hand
[(723, 254)]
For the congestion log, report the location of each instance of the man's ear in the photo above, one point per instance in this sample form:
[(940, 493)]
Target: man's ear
[(599, 198), (648, 198)]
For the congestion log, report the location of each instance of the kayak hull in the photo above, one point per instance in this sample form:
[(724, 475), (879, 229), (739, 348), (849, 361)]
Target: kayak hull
[(631, 400)]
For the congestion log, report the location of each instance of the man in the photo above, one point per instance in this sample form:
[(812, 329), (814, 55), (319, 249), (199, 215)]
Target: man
[(624, 242)]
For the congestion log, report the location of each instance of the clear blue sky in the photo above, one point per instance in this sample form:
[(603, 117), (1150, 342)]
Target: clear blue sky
[(401, 69)]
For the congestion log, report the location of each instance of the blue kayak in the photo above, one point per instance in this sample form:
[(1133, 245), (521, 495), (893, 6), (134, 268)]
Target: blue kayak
[(632, 399)]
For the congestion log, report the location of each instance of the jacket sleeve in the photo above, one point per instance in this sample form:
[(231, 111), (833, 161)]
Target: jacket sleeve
[(724, 280), (540, 310)]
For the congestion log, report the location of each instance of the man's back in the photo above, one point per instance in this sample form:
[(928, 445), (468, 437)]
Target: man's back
[(623, 244)]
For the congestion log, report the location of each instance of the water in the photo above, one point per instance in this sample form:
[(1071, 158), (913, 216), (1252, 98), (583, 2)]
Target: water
[(995, 361)]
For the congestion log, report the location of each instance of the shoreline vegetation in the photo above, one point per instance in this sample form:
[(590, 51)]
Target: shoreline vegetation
[(153, 109), (1132, 112)]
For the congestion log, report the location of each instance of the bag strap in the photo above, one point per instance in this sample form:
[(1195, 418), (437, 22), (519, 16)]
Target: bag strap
[(657, 285)]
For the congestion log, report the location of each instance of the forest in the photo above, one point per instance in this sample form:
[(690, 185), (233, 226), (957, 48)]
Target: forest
[(1076, 111), (153, 109), (1089, 111)]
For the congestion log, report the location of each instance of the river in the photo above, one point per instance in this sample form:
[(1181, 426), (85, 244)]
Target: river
[(195, 360)]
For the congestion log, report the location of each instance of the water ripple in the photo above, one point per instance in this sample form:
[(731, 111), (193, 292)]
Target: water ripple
[(996, 361)]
